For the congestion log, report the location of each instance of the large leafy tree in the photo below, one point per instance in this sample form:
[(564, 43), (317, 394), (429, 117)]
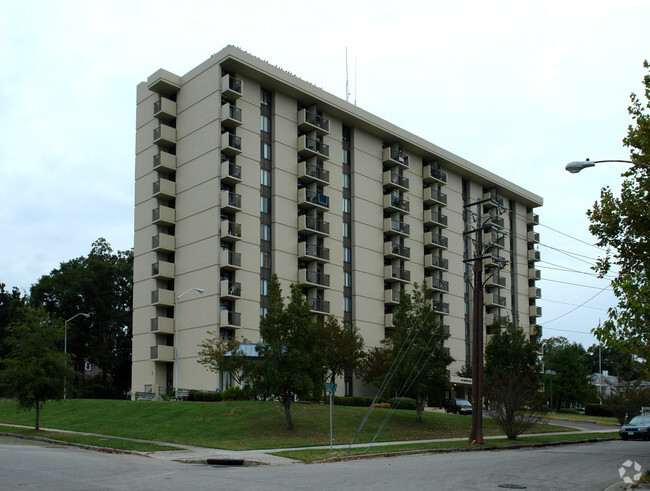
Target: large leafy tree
[(12, 305), (512, 379), (99, 284), (290, 364), (415, 358), (571, 379), (341, 346), (35, 369), (622, 224)]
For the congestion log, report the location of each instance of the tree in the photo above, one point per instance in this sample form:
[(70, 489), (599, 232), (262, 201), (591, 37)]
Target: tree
[(225, 355), (416, 360), (627, 399), (341, 346), (622, 224), (36, 368), (101, 285), (290, 363), (571, 378), (12, 305), (512, 379)]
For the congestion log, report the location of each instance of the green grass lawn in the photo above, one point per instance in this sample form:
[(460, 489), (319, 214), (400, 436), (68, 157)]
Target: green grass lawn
[(583, 417), (241, 425)]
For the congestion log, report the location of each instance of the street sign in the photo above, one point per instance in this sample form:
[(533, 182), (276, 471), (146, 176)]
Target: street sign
[(330, 387)]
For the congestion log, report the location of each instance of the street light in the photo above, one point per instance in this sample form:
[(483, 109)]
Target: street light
[(577, 166), (65, 350), (199, 290)]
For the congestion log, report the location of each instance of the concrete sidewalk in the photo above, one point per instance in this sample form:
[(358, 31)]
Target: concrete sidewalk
[(204, 455)]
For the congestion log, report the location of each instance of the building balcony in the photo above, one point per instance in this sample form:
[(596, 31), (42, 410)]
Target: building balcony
[(164, 136), (163, 243), (162, 270), (534, 274), (230, 202), (229, 260), (164, 162), (391, 297), (432, 239), (494, 239), (229, 319), (533, 237), (494, 261), (494, 300), (495, 281), (311, 199), (164, 82), (312, 147), (534, 292), (430, 174), (433, 196), (313, 252), (393, 250), (432, 261), (230, 173), (491, 318), (395, 204), (494, 221), (440, 307), (392, 158), (533, 255), (230, 231), (164, 109), (534, 311), (230, 290), (230, 144), (392, 180), (435, 218), (532, 218), (312, 278), (318, 305), (161, 353), (493, 200), (310, 121), (389, 320), (162, 298), (438, 284), (162, 325), (163, 215), (395, 273), (396, 227), (308, 172), (308, 225), (231, 116), (164, 189), (231, 87)]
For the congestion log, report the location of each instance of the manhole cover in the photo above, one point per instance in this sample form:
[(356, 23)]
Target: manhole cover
[(512, 486)]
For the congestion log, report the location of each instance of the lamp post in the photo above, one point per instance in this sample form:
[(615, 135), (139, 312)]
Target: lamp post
[(551, 373), (65, 350), (577, 166), (199, 290)]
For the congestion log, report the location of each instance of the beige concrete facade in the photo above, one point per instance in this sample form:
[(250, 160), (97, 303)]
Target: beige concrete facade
[(243, 169)]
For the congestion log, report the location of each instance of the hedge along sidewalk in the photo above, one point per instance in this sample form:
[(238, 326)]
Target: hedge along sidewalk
[(91, 441)]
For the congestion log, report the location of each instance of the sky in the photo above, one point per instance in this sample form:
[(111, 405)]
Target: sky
[(519, 88)]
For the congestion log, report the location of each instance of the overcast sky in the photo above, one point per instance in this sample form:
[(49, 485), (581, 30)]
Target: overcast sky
[(519, 88)]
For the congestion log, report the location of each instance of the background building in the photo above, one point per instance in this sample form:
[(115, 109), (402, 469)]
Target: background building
[(243, 170)]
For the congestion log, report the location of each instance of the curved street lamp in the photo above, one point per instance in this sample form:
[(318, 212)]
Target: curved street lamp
[(577, 166), (65, 350), (199, 290)]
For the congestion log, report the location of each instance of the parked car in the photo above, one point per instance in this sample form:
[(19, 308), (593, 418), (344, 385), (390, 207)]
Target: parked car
[(458, 406), (637, 428)]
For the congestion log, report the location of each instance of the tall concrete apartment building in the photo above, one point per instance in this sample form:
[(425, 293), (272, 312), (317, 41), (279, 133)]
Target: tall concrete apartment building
[(244, 170)]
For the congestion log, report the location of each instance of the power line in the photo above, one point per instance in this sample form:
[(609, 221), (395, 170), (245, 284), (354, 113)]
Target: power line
[(569, 270), (572, 237), (608, 287), (581, 305), (572, 304)]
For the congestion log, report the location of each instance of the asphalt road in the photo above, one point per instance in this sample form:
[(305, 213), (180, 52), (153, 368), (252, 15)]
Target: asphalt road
[(588, 466)]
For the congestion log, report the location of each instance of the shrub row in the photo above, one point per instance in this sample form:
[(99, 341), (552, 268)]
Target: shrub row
[(405, 403), (598, 410)]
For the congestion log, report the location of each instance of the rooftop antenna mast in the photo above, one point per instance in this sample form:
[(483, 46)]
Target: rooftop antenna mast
[(347, 80)]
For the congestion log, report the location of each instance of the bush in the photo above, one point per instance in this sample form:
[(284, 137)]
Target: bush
[(568, 410), (405, 403), (355, 401), (196, 395), (235, 394), (598, 410)]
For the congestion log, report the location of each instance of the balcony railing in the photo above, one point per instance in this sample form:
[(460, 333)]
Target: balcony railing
[(392, 156), (230, 259), (436, 240), (308, 121), (495, 281), (230, 289), (230, 172), (397, 273), (396, 204), (434, 217), (314, 277), (534, 292), (398, 226), (162, 269), (432, 195), (313, 146), (535, 311), (534, 274), (163, 215), (162, 353), (307, 196), (163, 243), (431, 174), (230, 201), (533, 237), (439, 284), (394, 249), (231, 86), (231, 230), (311, 172), (231, 114), (316, 251), (230, 143), (394, 179), (308, 224), (495, 299), (440, 307), (164, 189), (164, 162), (228, 318), (533, 255), (162, 325), (164, 135), (434, 261), (318, 305)]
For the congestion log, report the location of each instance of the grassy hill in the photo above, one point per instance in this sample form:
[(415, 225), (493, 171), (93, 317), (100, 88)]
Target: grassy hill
[(241, 425)]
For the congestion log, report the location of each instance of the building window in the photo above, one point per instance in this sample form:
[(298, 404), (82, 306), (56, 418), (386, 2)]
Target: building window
[(265, 204), (346, 156), (346, 230), (346, 205), (265, 123), (264, 287), (265, 259), (264, 311), (266, 151), (347, 279), (265, 177), (346, 180), (347, 304), (265, 97), (266, 232), (347, 255)]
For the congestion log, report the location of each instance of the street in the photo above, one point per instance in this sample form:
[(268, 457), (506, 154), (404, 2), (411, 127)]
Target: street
[(587, 466)]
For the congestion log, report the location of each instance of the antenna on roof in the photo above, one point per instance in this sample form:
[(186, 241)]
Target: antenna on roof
[(347, 81)]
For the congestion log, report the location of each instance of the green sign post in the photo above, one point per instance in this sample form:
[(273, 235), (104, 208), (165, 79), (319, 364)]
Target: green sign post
[(331, 388)]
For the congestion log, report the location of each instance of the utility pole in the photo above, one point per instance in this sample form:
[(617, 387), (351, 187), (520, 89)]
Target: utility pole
[(476, 433)]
